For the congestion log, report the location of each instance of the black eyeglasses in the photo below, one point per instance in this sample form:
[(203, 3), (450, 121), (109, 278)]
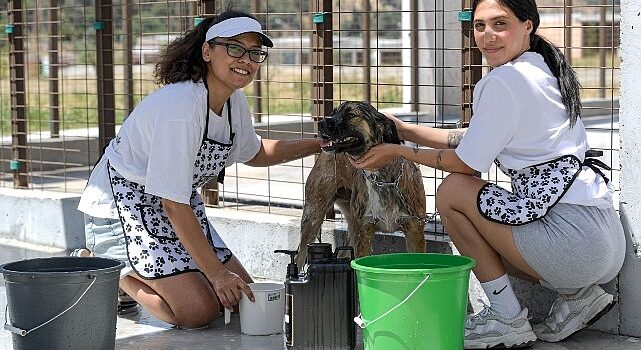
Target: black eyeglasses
[(238, 51)]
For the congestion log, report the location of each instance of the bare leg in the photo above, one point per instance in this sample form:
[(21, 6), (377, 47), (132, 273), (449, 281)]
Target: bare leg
[(513, 271), (186, 299), (474, 236), (489, 243)]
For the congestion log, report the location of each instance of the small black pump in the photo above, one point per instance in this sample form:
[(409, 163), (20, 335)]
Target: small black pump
[(320, 303), (292, 268)]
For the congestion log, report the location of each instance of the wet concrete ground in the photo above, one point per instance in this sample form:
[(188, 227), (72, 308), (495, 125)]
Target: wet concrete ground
[(143, 331)]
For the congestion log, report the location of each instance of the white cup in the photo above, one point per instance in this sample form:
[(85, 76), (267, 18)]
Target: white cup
[(265, 315)]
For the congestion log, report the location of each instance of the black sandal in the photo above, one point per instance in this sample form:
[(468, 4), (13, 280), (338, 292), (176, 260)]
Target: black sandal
[(126, 304)]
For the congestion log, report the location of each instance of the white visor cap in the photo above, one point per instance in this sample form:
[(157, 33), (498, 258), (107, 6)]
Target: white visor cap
[(236, 26)]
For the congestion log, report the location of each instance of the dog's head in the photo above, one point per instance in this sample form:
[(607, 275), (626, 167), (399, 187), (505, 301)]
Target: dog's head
[(354, 128)]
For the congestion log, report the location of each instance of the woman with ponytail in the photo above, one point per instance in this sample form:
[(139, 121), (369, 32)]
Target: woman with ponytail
[(142, 204), (557, 226)]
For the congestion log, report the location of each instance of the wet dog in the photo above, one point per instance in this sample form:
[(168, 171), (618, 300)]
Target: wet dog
[(387, 200)]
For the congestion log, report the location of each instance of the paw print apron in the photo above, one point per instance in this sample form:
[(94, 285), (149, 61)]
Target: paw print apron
[(153, 248), (535, 189)]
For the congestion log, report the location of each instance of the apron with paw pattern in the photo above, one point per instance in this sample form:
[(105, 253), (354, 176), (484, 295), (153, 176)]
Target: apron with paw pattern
[(153, 248), (535, 190)]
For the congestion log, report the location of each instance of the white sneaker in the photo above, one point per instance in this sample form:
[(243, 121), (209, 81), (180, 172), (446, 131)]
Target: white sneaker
[(487, 330), (571, 313)]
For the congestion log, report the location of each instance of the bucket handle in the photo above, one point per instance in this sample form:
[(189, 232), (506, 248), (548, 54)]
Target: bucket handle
[(362, 323), (22, 332)]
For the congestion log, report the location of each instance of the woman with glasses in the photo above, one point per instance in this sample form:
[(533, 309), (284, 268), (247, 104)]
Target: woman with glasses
[(141, 202)]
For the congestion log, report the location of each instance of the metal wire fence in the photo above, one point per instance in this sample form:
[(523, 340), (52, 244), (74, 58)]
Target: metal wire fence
[(72, 70)]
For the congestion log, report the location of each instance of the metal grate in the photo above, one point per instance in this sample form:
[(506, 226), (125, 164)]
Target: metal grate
[(71, 71)]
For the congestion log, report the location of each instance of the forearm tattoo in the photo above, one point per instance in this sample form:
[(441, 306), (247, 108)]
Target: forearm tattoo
[(439, 159), (454, 138)]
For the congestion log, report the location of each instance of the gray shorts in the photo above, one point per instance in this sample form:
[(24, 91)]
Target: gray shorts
[(573, 246)]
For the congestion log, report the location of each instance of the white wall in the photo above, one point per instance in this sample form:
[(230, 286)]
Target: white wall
[(253, 237), (42, 218), (630, 156)]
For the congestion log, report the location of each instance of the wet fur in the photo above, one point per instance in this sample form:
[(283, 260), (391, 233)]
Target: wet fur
[(366, 206)]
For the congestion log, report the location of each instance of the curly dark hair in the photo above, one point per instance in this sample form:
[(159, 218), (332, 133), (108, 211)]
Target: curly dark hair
[(181, 59)]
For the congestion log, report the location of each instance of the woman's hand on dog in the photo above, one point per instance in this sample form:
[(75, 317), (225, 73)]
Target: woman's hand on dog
[(400, 125), (377, 157), (228, 286)]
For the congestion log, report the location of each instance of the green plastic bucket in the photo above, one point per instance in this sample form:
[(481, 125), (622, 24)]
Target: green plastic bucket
[(412, 300)]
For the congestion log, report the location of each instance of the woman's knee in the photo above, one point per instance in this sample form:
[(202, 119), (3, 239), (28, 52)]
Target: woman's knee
[(196, 311), (190, 298), (447, 191)]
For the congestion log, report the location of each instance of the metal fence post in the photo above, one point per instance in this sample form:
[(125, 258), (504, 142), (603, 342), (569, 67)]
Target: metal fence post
[(105, 73), (322, 65), (209, 191), (414, 99), (367, 52), (207, 7), (322, 60), (127, 56), (258, 98), (17, 77), (602, 47), (54, 64), (567, 29), (471, 64)]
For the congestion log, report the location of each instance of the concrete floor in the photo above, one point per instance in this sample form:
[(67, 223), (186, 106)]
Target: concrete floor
[(142, 331)]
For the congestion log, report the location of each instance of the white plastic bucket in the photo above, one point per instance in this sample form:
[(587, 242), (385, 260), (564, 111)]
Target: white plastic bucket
[(265, 315)]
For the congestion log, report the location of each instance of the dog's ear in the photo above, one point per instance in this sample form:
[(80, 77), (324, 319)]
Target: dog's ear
[(387, 128), (335, 110)]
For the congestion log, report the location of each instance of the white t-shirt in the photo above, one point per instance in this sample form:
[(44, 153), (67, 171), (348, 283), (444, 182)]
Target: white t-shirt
[(519, 119), (158, 143)]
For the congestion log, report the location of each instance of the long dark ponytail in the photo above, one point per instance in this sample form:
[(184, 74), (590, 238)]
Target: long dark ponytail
[(568, 82), (182, 59)]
